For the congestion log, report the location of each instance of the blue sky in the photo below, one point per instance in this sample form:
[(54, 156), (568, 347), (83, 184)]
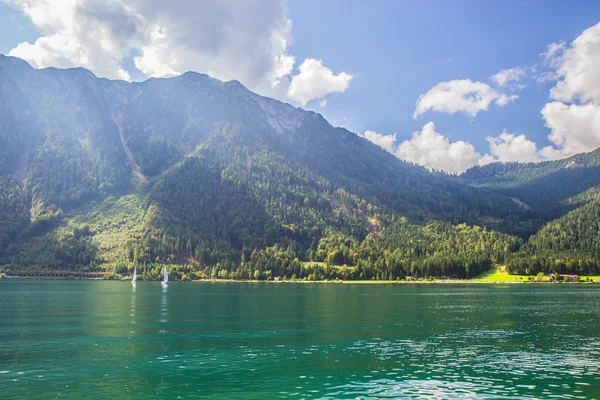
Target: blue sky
[(400, 50), (393, 52)]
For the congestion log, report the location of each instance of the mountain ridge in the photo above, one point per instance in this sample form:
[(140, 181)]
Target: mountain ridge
[(214, 179)]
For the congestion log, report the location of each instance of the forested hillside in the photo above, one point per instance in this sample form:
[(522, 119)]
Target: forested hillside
[(570, 244), (217, 181), (545, 186), (563, 193)]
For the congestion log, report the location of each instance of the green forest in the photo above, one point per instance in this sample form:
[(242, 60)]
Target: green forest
[(217, 182)]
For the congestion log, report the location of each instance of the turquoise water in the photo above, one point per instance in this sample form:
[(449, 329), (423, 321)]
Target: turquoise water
[(101, 339)]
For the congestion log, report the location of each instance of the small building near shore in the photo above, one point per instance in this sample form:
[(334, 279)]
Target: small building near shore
[(564, 278)]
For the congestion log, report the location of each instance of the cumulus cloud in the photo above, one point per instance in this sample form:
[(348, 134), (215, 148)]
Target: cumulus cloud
[(92, 34), (388, 142), (574, 128), (152, 61), (486, 159), (315, 81), (461, 95), (578, 69), (227, 39), (510, 147), (431, 149), (507, 76), (574, 115)]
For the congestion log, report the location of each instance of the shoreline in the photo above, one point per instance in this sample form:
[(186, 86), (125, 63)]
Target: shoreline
[(298, 281)]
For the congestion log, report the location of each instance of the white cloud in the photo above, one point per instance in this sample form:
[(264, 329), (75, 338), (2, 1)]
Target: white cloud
[(315, 81), (461, 95), (506, 76), (388, 142), (574, 116), (551, 59), (578, 69), (227, 39), (433, 150), (284, 65), (504, 99), (486, 159), (510, 147), (574, 129), (152, 61), (553, 51), (89, 33), (545, 77)]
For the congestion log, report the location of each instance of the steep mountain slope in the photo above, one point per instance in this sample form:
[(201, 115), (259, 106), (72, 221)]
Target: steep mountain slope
[(564, 192), (191, 170), (570, 244)]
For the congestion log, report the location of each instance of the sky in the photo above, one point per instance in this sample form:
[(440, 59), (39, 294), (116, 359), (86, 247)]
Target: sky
[(448, 85)]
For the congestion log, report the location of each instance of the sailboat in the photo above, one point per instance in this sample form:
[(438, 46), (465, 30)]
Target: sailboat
[(165, 277), (134, 277)]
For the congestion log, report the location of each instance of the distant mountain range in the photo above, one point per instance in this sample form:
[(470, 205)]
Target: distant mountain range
[(217, 181)]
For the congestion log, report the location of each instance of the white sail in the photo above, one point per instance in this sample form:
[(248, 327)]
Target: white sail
[(134, 275), (165, 276)]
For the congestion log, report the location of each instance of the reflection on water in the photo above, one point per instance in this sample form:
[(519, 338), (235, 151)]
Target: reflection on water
[(164, 308), (132, 321), (112, 339)]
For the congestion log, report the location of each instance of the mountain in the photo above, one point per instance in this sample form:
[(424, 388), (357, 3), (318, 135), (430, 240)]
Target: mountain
[(545, 186), (217, 181), (563, 193)]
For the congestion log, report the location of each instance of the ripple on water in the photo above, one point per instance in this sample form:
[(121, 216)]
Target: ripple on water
[(472, 343), (474, 369), (387, 388)]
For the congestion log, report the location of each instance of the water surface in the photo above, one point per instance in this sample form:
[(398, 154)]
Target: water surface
[(101, 339)]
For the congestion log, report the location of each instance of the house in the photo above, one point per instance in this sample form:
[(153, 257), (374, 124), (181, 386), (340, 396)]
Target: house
[(564, 278)]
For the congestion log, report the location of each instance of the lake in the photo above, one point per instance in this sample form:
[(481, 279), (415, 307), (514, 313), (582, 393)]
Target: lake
[(103, 339)]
